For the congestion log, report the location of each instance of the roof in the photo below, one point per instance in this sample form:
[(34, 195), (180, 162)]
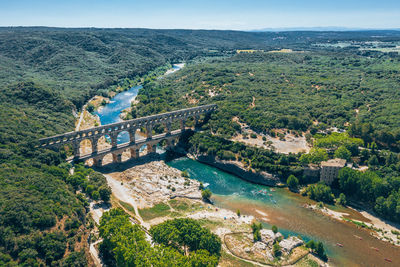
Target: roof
[(334, 163)]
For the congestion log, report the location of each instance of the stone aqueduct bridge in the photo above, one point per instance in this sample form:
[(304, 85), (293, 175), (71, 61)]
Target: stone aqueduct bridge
[(130, 126)]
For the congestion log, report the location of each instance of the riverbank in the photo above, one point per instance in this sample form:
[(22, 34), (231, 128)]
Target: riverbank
[(275, 207), (386, 231), (147, 190), (235, 168)]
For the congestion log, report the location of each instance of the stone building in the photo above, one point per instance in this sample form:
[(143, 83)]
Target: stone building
[(330, 170), (312, 172)]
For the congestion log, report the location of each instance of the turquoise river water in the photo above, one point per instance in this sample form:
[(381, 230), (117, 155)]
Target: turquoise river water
[(276, 206)]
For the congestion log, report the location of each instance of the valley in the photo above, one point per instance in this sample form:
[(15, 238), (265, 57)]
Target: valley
[(284, 106)]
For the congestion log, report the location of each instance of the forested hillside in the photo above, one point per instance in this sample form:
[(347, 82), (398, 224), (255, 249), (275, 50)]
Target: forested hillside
[(296, 91), (80, 62), (45, 73), (306, 92), (35, 201)]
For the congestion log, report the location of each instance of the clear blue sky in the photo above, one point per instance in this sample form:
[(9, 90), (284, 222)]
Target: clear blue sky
[(201, 14)]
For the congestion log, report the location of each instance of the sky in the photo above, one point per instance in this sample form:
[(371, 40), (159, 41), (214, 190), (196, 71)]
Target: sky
[(201, 14)]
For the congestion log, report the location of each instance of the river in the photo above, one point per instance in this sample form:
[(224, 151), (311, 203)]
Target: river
[(277, 207)]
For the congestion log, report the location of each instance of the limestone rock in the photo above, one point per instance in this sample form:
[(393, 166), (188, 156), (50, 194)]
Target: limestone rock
[(268, 236), (259, 246), (290, 243)]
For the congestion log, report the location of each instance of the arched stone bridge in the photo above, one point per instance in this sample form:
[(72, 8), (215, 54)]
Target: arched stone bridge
[(130, 126)]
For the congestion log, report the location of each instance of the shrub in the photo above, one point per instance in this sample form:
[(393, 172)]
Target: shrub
[(292, 182), (206, 194), (342, 199), (276, 249)]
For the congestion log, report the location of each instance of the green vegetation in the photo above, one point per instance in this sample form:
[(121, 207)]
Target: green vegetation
[(343, 88), (307, 262), (343, 153), (342, 200), (256, 227), (320, 192), (35, 197), (358, 223), (252, 157), (315, 156), (158, 210), (317, 248), (335, 140), (276, 249), (206, 194), (381, 193), (125, 244), (46, 73), (292, 182), (127, 206), (94, 184), (186, 235), (347, 89), (274, 229)]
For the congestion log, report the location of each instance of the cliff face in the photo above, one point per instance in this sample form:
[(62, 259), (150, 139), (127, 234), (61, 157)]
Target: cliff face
[(232, 167)]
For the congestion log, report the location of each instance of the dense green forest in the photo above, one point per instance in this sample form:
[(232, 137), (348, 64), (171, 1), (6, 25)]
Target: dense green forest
[(40, 216), (82, 62), (296, 91), (178, 242), (306, 92), (46, 73)]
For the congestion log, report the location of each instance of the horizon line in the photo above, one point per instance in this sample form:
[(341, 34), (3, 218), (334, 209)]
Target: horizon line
[(272, 29)]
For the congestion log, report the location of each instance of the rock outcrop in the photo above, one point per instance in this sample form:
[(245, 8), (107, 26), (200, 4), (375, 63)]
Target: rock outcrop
[(233, 167), (269, 237), (290, 243)]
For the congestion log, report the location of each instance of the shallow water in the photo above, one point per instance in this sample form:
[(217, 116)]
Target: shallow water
[(280, 207), (285, 209), (110, 112)]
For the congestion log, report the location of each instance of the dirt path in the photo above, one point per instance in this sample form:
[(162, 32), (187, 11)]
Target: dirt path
[(124, 194), (95, 254)]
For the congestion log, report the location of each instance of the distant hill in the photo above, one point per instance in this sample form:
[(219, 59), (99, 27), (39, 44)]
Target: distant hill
[(327, 28), (80, 62)]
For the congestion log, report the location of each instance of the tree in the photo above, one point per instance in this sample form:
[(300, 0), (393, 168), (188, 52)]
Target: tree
[(319, 249), (187, 234), (315, 156), (348, 180), (105, 193), (343, 153), (320, 192), (201, 186), (310, 244), (256, 227), (96, 195), (206, 194), (90, 107), (292, 182), (274, 229), (276, 249), (342, 199), (202, 258), (257, 236), (125, 244), (373, 161)]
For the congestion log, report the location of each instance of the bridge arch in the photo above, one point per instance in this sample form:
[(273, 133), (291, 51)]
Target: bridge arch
[(102, 140), (123, 137), (85, 146)]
